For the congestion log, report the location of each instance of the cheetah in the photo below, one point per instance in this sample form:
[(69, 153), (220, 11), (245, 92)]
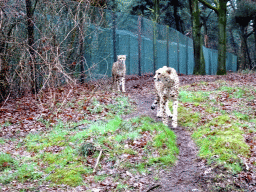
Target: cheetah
[(167, 87), (118, 72)]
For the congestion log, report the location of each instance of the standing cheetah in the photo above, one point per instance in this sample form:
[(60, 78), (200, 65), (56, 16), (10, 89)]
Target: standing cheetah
[(118, 72), (167, 87)]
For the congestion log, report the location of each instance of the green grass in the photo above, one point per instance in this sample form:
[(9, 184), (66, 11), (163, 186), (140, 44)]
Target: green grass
[(67, 156), (217, 132), (11, 169), (6, 161)]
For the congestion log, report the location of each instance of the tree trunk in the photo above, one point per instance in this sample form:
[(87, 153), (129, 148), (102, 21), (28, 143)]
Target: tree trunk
[(254, 29), (222, 21), (156, 10), (220, 9), (242, 52), (81, 47), (176, 17), (4, 86), (156, 19), (199, 67), (30, 28)]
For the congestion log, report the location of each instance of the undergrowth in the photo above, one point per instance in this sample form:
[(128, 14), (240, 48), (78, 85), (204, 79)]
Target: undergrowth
[(67, 156), (218, 118)]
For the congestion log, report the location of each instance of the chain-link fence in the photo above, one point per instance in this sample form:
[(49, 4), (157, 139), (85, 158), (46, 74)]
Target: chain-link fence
[(134, 36), (74, 39)]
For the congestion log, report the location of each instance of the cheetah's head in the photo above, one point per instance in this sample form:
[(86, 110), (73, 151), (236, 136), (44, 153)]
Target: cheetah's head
[(162, 74), (121, 57)]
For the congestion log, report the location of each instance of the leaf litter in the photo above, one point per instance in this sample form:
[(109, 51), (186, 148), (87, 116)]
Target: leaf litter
[(24, 115)]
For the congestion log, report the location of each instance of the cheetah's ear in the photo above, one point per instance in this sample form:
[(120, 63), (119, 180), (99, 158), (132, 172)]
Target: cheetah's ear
[(169, 71)]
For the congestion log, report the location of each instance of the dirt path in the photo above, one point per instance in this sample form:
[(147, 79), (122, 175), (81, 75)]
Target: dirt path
[(184, 175), (190, 173)]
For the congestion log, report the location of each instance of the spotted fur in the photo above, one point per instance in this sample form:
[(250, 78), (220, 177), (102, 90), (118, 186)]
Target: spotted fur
[(118, 72), (167, 88)]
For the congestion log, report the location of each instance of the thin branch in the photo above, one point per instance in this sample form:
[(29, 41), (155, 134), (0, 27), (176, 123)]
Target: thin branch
[(209, 5), (5, 100), (33, 10), (98, 159)]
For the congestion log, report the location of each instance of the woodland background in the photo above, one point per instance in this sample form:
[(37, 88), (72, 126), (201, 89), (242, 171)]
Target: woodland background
[(38, 57)]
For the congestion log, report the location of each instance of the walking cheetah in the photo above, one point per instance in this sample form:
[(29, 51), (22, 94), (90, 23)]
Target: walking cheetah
[(118, 72), (167, 87)]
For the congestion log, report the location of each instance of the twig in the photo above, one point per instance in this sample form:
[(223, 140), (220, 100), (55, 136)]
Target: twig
[(153, 187), (97, 162), (5, 100), (56, 166)]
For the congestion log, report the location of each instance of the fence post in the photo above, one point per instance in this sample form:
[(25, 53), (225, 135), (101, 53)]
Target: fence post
[(186, 55), (114, 35), (154, 47), (139, 44), (210, 64), (167, 45), (178, 52)]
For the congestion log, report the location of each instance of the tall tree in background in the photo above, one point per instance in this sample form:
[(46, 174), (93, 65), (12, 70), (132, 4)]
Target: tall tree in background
[(169, 12), (220, 9), (199, 67), (155, 20), (4, 86), (30, 30), (244, 14), (172, 16)]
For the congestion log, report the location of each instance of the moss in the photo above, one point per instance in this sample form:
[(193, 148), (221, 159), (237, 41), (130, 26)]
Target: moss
[(6, 161), (222, 139), (70, 175), (187, 118)]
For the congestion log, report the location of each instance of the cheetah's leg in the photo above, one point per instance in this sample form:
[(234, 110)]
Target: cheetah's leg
[(168, 112), (162, 108), (114, 81), (123, 84), (155, 102), (175, 114), (118, 84)]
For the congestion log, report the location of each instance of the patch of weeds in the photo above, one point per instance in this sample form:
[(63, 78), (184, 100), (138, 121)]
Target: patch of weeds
[(216, 131), (187, 118), (69, 175), (57, 137), (190, 97), (120, 106), (28, 171), (239, 93), (7, 176), (45, 122), (98, 178), (241, 116), (11, 169), (7, 123), (141, 167), (223, 138), (6, 161), (132, 145), (227, 89), (70, 104), (95, 107), (122, 187), (253, 121), (2, 141)]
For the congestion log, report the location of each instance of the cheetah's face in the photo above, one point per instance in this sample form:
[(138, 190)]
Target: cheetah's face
[(162, 74), (121, 57)]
